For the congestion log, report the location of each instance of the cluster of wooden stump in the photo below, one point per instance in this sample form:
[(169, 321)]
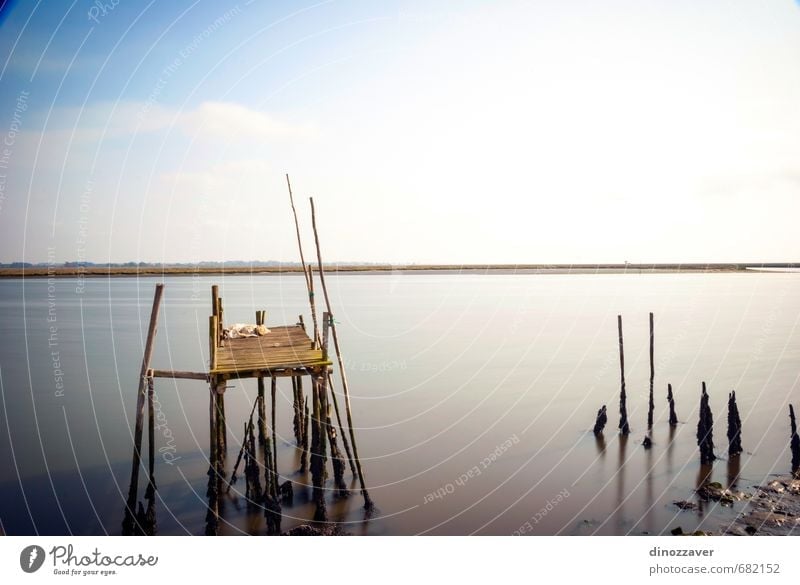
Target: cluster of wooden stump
[(705, 423)]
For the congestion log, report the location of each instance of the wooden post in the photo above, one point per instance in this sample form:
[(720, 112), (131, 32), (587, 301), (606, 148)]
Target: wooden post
[(623, 407), (212, 517), (318, 454), (212, 342), (151, 443), (273, 391), (600, 422), (220, 322), (705, 430), (673, 418), (651, 405), (222, 429), (734, 427), (368, 505), (794, 444), (262, 412), (130, 510)]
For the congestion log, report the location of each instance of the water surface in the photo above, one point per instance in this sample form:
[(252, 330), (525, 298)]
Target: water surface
[(474, 398)]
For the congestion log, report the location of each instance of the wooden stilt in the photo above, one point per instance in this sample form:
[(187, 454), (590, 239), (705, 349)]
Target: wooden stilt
[(624, 428), (262, 411), (212, 517), (273, 392), (304, 453), (130, 509), (151, 443), (368, 505), (318, 454)]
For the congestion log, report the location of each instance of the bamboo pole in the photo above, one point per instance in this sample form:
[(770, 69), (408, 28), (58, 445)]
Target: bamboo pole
[(367, 501), (623, 407), (130, 510)]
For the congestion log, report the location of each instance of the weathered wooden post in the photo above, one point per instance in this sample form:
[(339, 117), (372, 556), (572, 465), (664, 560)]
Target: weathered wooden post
[(734, 427), (705, 430), (600, 422), (794, 444), (673, 418), (262, 411), (624, 428), (130, 508), (651, 405), (318, 454)]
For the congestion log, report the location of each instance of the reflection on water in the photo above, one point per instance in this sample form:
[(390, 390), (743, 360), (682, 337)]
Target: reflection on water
[(445, 370), (734, 467)]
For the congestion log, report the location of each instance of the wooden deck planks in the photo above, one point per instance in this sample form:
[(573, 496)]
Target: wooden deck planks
[(283, 347)]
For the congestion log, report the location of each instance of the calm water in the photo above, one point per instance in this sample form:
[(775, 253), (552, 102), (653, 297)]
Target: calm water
[(483, 388)]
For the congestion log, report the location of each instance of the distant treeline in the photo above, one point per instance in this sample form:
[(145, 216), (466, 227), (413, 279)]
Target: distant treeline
[(81, 269)]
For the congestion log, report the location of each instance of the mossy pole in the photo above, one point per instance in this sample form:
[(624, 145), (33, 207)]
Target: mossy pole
[(624, 428), (367, 501), (141, 396)]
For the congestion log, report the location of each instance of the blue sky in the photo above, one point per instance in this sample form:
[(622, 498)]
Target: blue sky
[(453, 132)]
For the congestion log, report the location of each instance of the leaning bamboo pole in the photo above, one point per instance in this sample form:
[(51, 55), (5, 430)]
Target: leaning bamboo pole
[(332, 323), (308, 274), (130, 510)]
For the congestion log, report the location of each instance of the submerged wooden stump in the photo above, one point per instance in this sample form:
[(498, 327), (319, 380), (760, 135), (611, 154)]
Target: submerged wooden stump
[(673, 418), (734, 427), (705, 430), (600, 421), (794, 444)]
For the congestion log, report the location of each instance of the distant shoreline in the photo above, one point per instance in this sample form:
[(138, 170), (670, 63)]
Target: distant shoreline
[(131, 271)]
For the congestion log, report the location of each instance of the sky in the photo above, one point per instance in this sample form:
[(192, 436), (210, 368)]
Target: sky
[(427, 132)]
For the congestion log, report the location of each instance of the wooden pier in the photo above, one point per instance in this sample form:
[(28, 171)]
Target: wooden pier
[(271, 351)]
